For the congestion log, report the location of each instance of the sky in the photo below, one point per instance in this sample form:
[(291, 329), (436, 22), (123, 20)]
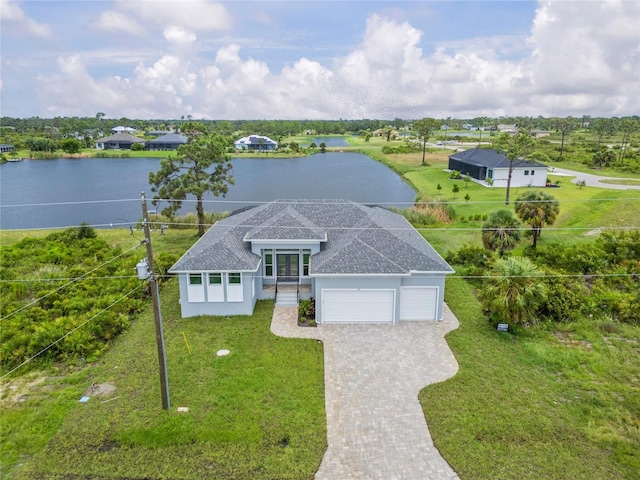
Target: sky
[(157, 59)]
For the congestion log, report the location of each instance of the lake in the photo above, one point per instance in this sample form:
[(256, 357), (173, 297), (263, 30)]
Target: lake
[(101, 191)]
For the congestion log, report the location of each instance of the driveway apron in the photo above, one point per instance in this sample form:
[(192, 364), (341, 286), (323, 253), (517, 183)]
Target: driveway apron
[(373, 373)]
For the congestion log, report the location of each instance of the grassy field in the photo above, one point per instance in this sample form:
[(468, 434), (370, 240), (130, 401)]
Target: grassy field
[(559, 401), (256, 414)]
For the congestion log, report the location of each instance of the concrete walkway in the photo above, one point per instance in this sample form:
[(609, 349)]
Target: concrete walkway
[(591, 180), (375, 425)]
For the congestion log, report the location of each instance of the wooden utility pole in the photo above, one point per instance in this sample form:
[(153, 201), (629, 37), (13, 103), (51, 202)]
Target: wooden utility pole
[(157, 314)]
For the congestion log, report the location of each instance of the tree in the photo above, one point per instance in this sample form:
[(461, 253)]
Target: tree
[(516, 148), (70, 145), (439, 187), (455, 190), (565, 126), (513, 293), (313, 146), (467, 180), (323, 147), (423, 129), (537, 209), (601, 128), (467, 198), (501, 231), (628, 126), (200, 166)]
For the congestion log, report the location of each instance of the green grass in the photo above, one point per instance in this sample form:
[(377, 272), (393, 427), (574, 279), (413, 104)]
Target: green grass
[(628, 181), (256, 414), (537, 405)]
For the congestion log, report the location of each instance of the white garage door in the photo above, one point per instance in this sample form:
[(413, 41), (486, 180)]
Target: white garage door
[(418, 303), (355, 306)]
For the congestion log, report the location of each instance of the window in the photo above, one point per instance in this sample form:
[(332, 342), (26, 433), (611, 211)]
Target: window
[(234, 287), (526, 172), (533, 172), (306, 258), (268, 263), (215, 290), (195, 288)]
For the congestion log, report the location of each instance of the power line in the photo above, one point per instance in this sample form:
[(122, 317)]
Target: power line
[(310, 201), (68, 283), (29, 280), (70, 332)]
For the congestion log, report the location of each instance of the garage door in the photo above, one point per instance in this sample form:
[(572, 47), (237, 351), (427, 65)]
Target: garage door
[(418, 303), (355, 306)]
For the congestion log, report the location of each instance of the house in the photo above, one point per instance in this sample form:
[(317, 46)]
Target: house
[(119, 141), (537, 133), (6, 148), (360, 263), (256, 142), (507, 128), (121, 129), (170, 141), (485, 163)]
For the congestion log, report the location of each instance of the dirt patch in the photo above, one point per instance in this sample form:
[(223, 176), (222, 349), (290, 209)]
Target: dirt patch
[(568, 340), (100, 390), (20, 389)]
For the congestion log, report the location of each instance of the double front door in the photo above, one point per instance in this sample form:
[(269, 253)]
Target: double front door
[(288, 266)]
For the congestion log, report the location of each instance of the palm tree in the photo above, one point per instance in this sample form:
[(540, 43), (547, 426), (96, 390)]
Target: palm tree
[(501, 231), (513, 293), (537, 209)]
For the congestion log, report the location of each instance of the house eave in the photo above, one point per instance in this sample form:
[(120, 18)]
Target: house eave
[(290, 241)]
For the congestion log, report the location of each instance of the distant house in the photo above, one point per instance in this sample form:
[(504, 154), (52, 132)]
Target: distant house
[(121, 129), (361, 263), (539, 133), (508, 128), (119, 141), (256, 142), (170, 141), (6, 148), (484, 163), (157, 133)]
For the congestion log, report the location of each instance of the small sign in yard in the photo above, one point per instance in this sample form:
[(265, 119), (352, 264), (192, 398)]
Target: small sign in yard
[(503, 327)]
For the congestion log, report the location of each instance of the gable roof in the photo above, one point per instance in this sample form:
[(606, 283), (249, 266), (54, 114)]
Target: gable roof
[(354, 239), (488, 157)]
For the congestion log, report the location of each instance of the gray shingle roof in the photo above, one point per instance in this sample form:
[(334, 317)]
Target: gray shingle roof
[(169, 138), (488, 157), (122, 138), (355, 239)]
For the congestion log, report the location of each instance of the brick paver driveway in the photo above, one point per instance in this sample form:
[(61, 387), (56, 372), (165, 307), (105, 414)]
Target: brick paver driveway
[(375, 426)]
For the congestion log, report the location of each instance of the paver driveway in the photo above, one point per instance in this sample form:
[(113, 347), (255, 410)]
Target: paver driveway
[(375, 426)]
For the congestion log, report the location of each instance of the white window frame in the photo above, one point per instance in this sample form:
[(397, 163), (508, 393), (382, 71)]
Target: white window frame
[(215, 291), (235, 291), (195, 291), (267, 265)]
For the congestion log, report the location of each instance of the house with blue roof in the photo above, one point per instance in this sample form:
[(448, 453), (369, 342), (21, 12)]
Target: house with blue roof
[(491, 166), (256, 142), (361, 264)]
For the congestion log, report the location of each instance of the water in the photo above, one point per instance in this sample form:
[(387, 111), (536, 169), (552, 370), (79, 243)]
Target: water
[(330, 142), (104, 191)]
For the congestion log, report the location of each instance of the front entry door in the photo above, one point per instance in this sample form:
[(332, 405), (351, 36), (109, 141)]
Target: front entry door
[(288, 265)]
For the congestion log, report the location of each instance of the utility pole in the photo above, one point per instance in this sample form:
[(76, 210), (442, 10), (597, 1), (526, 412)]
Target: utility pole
[(157, 314)]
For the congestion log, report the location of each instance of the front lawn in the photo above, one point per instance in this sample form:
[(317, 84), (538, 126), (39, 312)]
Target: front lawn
[(558, 403), (255, 414)]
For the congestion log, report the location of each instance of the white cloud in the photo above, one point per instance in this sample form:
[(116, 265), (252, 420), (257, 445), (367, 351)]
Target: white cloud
[(574, 61), (179, 35), (118, 22), (195, 15), (16, 21)]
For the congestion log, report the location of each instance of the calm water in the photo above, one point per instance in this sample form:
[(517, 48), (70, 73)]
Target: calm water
[(102, 191)]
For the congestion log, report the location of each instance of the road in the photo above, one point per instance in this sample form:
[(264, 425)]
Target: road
[(591, 180)]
